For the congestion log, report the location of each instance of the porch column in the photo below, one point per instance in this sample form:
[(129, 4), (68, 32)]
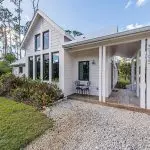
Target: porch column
[(100, 73), (41, 65), (148, 74), (27, 67), (132, 73), (104, 74), (142, 76), (34, 67), (137, 75)]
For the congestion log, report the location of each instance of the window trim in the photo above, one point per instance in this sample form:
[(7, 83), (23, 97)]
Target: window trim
[(52, 65), (43, 39), (35, 38), (79, 70)]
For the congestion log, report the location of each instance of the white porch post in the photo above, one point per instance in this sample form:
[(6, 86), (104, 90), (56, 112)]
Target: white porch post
[(132, 73), (100, 72), (104, 74), (137, 75), (33, 67), (41, 72), (27, 67), (142, 76), (50, 67), (148, 75)]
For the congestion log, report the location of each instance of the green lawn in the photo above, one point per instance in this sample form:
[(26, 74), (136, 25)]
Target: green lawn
[(20, 124)]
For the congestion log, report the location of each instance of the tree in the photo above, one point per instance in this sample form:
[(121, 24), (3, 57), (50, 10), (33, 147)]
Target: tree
[(35, 5), (6, 25), (125, 70), (5, 63), (4, 67), (9, 58), (18, 26), (74, 33)]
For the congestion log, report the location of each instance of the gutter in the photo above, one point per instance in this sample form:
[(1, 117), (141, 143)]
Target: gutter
[(107, 37)]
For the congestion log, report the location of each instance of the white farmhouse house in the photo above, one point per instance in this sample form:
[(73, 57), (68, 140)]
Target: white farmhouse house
[(54, 56)]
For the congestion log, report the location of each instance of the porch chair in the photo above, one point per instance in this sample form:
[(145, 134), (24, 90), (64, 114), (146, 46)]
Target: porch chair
[(86, 89), (78, 89)]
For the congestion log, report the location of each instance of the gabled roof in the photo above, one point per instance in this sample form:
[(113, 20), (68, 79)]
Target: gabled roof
[(19, 62), (42, 14)]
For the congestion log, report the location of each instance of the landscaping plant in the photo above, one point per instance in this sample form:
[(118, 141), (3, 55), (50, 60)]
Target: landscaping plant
[(35, 93)]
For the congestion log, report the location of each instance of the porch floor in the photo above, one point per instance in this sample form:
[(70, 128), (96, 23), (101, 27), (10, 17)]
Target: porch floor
[(85, 98), (124, 97), (118, 96)]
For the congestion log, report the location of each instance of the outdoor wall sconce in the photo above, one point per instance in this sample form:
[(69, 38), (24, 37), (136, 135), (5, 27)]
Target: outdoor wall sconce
[(93, 62)]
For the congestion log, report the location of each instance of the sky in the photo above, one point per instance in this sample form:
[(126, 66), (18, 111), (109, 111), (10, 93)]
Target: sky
[(89, 16)]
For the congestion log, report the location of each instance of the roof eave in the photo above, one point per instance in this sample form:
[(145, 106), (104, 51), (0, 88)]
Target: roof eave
[(107, 37)]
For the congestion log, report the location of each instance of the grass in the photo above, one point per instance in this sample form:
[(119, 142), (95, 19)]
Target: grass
[(20, 124)]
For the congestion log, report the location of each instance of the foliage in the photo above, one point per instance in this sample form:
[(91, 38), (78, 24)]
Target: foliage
[(9, 82), (5, 63), (122, 83), (35, 5), (125, 70), (31, 92), (11, 27), (9, 57), (20, 124), (74, 33), (4, 67)]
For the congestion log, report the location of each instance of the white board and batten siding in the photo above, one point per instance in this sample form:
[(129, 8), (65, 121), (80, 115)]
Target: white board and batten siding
[(56, 40), (15, 71), (89, 55)]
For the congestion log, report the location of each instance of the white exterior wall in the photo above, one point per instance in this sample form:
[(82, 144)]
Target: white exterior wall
[(15, 71), (56, 39), (68, 73), (88, 55)]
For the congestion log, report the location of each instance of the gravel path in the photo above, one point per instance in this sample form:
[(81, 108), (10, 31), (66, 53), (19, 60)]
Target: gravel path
[(84, 126)]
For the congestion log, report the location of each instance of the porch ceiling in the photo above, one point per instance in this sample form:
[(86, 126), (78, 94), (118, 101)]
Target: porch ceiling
[(126, 50)]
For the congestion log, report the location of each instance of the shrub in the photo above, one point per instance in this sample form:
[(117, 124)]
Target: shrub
[(20, 94), (9, 82), (31, 92), (121, 84)]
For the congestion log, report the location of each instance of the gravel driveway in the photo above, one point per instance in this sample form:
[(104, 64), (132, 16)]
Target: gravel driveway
[(85, 126)]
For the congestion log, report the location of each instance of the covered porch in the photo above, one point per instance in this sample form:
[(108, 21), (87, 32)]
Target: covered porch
[(103, 72)]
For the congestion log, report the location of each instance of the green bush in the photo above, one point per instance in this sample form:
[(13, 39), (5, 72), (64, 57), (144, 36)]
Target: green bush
[(20, 94), (31, 92), (9, 82), (121, 84)]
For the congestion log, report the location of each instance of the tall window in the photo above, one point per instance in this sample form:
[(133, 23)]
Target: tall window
[(37, 67), (46, 40), (55, 66), (37, 42), (20, 69), (84, 70), (46, 67), (30, 60)]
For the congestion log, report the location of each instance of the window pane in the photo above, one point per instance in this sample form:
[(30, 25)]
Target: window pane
[(37, 67), (46, 67), (84, 70), (31, 67), (46, 40), (37, 42), (55, 66), (20, 69)]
